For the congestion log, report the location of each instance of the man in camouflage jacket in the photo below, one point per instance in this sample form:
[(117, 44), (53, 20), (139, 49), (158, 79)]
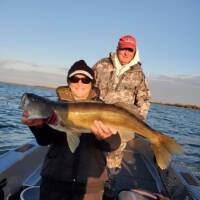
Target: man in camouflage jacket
[(123, 82), (121, 79)]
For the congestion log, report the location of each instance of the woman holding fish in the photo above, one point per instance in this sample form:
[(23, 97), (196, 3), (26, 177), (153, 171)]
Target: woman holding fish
[(74, 168)]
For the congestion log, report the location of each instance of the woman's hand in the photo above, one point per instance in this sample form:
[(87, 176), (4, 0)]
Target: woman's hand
[(32, 122), (52, 119), (101, 131)]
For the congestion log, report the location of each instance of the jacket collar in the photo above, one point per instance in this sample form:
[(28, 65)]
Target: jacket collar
[(120, 69)]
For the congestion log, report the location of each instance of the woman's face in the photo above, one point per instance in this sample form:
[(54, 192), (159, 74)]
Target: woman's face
[(125, 55), (80, 86)]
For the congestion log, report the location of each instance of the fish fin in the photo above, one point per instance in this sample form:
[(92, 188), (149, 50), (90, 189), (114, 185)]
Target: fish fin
[(72, 140), (171, 145), (163, 157), (126, 135), (163, 149)]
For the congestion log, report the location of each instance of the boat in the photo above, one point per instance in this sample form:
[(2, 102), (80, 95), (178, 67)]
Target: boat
[(20, 173), (20, 169)]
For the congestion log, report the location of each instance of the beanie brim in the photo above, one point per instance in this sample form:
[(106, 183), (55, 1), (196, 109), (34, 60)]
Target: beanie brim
[(81, 72)]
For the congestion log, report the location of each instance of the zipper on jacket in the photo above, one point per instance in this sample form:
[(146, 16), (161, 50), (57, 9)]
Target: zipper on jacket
[(76, 164)]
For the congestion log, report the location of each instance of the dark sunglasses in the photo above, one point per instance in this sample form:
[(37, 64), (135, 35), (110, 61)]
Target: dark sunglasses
[(75, 79)]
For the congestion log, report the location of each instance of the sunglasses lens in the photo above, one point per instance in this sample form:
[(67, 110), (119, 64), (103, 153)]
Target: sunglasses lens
[(86, 80), (75, 79)]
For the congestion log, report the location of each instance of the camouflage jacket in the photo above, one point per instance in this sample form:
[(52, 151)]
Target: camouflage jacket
[(131, 87)]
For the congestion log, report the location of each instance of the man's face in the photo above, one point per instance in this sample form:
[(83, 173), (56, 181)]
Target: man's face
[(125, 55)]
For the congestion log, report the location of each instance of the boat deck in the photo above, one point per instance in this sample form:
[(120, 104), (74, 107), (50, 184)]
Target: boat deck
[(136, 171)]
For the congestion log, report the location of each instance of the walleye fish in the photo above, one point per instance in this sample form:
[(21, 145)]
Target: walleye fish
[(75, 118)]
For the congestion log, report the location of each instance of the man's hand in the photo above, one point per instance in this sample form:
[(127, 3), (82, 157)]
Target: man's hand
[(101, 131)]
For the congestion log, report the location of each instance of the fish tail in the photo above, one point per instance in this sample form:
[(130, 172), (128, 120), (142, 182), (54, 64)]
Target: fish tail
[(164, 147)]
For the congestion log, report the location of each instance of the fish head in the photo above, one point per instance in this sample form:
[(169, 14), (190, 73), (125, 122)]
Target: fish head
[(35, 106)]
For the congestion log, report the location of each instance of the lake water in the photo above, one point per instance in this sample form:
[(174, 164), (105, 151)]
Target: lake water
[(181, 123)]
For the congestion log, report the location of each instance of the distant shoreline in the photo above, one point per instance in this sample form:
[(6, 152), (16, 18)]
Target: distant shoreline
[(22, 84), (195, 107)]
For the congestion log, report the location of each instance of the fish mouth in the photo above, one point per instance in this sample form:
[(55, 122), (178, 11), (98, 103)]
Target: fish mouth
[(23, 101), (26, 99)]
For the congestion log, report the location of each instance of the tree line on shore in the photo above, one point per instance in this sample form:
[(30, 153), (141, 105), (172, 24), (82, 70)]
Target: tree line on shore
[(195, 107)]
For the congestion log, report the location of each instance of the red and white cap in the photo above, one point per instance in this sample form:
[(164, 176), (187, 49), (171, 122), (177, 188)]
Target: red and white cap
[(127, 41)]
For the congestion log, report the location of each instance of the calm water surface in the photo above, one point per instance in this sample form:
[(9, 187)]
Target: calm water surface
[(181, 123)]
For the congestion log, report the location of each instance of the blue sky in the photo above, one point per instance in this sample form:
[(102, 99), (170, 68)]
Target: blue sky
[(59, 32)]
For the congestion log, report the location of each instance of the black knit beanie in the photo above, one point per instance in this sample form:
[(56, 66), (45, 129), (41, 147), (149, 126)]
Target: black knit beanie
[(80, 67)]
